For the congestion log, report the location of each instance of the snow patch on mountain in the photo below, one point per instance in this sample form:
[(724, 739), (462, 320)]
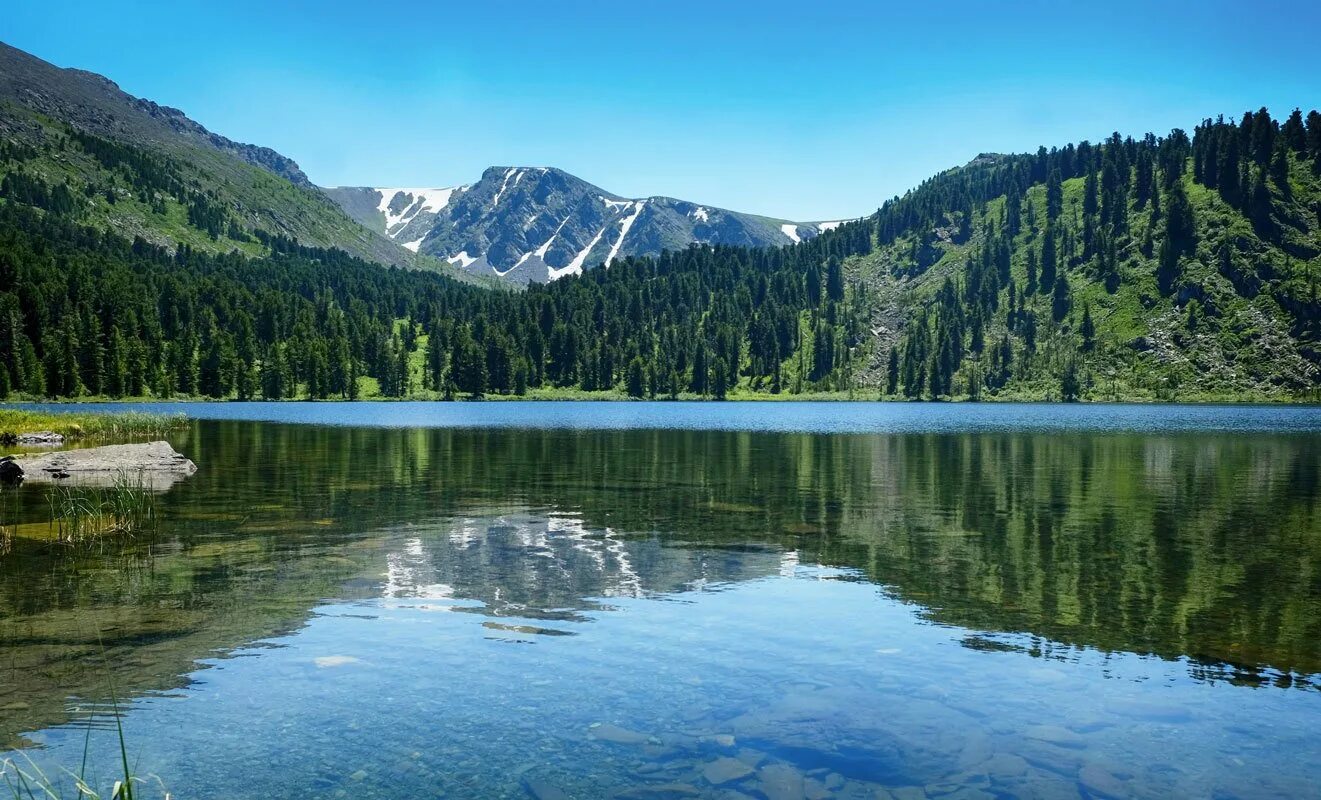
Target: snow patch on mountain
[(575, 267), (413, 245), (700, 214), (829, 226), (505, 185), (623, 230), (417, 201), (791, 230), (541, 251), (462, 259)]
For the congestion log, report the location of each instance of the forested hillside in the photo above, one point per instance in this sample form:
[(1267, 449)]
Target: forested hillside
[(132, 166), (84, 312), (1149, 268), (1153, 268)]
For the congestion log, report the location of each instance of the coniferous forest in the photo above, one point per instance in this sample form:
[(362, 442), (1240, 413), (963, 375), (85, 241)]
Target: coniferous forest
[(1172, 267)]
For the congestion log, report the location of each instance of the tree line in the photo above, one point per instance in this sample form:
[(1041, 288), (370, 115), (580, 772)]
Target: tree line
[(86, 312)]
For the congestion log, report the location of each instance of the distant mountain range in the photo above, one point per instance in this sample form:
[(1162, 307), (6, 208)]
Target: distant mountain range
[(1183, 266), (209, 192), (540, 223)]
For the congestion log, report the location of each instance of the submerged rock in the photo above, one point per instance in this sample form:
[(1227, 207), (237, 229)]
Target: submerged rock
[(660, 791), (725, 770), (157, 464), (781, 782), (613, 733), (543, 789)]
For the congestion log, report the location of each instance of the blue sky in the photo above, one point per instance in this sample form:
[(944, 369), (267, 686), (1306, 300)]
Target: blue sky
[(804, 110)]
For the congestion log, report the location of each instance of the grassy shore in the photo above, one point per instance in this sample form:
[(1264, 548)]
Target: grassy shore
[(76, 426)]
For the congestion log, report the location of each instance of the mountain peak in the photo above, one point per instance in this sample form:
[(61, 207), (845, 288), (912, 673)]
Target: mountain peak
[(523, 223)]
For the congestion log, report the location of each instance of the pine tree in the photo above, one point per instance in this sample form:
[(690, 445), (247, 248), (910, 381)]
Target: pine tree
[(1013, 211), (1049, 259), (1054, 196), (1060, 300), (1087, 329), (635, 379), (1070, 383), (468, 364), (274, 375), (719, 379), (698, 383), (835, 280), (812, 284), (1294, 132)]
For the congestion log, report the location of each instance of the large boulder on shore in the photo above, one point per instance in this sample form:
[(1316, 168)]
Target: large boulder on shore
[(157, 464)]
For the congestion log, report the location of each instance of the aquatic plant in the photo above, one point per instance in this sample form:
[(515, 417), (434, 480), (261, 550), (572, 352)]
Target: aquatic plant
[(79, 513), (30, 782), (27, 781), (7, 501)]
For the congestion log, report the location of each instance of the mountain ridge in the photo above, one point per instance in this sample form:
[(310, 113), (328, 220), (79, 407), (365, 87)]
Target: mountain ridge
[(147, 169), (533, 224)]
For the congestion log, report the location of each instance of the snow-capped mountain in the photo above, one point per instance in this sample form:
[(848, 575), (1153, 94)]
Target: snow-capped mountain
[(539, 223)]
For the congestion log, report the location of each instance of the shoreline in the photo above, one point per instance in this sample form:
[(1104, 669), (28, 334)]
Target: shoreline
[(738, 398)]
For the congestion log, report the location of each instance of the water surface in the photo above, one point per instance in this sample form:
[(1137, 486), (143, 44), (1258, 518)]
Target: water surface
[(666, 600)]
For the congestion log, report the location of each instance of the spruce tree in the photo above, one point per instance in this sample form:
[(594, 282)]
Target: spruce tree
[(1049, 259), (1060, 300)]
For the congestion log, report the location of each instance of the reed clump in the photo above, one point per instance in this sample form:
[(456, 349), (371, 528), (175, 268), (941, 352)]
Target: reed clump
[(80, 513)]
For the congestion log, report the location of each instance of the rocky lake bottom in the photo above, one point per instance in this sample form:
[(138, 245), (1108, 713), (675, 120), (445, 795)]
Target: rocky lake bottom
[(726, 610)]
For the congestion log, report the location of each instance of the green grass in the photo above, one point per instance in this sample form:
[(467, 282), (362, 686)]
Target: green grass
[(79, 426)]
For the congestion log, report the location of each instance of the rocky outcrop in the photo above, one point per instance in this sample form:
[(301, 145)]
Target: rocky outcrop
[(157, 463)]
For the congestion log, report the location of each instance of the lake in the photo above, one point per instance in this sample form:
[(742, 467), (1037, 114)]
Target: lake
[(651, 600)]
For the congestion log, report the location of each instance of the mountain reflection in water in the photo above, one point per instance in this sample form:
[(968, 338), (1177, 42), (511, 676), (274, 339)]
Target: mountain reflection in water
[(834, 603)]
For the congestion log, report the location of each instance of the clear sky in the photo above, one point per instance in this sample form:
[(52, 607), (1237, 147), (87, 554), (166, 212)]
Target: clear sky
[(805, 110)]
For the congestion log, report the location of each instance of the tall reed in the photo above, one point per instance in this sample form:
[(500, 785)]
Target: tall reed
[(79, 513), (29, 782)]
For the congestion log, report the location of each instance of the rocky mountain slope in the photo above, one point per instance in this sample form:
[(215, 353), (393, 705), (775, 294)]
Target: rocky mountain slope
[(539, 223), (141, 169)]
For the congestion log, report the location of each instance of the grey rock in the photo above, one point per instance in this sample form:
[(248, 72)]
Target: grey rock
[(542, 789), (1100, 782), (781, 782), (613, 733), (725, 770), (157, 464), (660, 791), (40, 438)]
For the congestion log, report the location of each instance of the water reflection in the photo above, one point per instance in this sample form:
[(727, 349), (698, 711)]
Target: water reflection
[(795, 572)]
